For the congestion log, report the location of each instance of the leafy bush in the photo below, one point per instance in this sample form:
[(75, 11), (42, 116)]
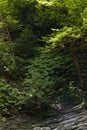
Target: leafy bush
[(45, 76), (11, 98), (71, 94), (7, 59)]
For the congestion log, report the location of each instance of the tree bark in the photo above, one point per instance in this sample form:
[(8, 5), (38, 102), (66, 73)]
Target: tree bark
[(77, 66)]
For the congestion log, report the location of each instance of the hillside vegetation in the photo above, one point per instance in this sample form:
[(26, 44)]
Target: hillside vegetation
[(43, 55)]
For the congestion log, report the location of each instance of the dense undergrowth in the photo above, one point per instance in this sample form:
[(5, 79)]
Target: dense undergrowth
[(43, 49)]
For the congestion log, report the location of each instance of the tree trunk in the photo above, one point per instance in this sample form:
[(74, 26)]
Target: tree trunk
[(76, 65)]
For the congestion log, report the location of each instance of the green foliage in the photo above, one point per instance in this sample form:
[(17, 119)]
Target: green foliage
[(60, 37), (71, 94), (11, 98), (45, 75), (25, 44), (84, 16), (38, 82), (7, 61)]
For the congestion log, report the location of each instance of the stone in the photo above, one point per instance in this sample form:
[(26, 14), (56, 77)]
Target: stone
[(42, 128), (82, 124), (46, 128), (37, 128), (74, 118)]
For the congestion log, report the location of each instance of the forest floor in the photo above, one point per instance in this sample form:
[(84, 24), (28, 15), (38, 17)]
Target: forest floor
[(69, 118), (20, 122)]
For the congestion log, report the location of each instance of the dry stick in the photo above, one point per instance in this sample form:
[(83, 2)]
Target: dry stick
[(8, 34)]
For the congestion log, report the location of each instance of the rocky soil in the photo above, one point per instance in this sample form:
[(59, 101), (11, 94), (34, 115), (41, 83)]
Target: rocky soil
[(69, 118)]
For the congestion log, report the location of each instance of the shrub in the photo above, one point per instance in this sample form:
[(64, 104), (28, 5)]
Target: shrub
[(11, 98), (46, 74), (71, 94)]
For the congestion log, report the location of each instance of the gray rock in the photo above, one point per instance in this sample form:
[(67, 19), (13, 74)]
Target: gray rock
[(82, 119), (37, 128), (42, 128), (46, 128), (74, 118), (69, 120), (82, 124)]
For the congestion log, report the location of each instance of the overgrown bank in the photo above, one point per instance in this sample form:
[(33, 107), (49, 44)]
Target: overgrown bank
[(43, 49)]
